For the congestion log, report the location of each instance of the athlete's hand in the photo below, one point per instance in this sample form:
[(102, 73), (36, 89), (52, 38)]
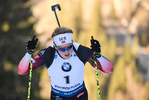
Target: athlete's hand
[(31, 45), (95, 47)]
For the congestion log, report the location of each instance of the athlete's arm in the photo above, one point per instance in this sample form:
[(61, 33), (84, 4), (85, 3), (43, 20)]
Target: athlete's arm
[(103, 63), (24, 65)]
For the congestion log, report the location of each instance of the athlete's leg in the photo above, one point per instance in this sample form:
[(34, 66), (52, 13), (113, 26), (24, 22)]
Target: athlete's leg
[(55, 97), (83, 95)]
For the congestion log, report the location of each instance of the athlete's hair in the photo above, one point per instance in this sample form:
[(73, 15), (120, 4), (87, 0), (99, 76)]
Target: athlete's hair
[(61, 30)]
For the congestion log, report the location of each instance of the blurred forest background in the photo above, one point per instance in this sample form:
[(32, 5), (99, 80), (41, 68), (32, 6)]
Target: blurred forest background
[(121, 26)]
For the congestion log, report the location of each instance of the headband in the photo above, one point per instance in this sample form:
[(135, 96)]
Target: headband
[(62, 39)]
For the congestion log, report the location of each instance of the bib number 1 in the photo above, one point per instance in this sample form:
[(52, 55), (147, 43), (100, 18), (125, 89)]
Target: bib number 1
[(67, 79)]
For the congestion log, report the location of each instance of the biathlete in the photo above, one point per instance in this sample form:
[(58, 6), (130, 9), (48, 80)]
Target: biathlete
[(65, 61)]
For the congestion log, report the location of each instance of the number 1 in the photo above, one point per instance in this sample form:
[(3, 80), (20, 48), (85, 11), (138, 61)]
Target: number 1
[(67, 79)]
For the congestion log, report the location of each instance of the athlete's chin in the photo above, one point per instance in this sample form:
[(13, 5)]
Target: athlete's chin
[(67, 56)]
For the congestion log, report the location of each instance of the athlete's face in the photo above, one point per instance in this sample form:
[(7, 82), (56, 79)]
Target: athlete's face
[(65, 50)]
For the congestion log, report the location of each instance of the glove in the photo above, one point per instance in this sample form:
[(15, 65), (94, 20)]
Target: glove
[(31, 45), (95, 47)]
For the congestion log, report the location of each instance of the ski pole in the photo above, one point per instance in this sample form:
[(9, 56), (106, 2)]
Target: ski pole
[(96, 70), (54, 7), (30, 77), (97, 79)]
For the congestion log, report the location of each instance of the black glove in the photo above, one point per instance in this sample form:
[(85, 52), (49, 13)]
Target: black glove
[(95, 47), (31, 45)]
